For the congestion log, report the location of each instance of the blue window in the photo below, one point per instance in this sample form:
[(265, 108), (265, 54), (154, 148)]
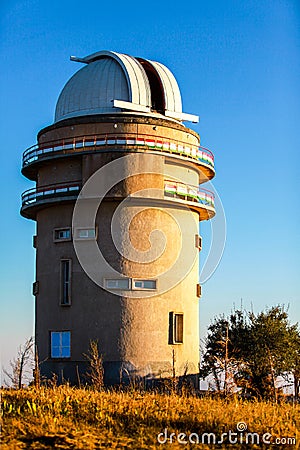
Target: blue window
[(144, 284), (60, 344), (62, 234)]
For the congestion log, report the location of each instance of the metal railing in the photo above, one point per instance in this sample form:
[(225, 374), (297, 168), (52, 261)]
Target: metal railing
[(172, 188), (97, 142), (31, 196), (189, 192)]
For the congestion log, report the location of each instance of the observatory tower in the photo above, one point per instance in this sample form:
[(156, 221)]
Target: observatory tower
[(118, 199)]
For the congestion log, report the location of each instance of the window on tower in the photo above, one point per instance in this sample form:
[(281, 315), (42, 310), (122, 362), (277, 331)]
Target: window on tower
[(175, 328), (121, 283), (144, 284), (86, 233), (198, 241), (62, 234), (131, 284), (60, 344), (198, 290), (65, 282)]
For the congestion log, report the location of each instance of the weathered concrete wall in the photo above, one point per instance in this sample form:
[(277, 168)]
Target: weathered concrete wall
[(66, 170)]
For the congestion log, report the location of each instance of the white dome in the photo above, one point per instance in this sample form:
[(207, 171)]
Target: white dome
[(113, 82), (92, 90)]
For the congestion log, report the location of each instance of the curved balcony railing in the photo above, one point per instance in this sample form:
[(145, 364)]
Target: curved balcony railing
[(189, 192), (32, 196), (89, 143), (172, 188)]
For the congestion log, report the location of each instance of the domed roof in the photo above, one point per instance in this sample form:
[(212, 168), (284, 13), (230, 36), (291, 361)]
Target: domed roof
[(113, 83)]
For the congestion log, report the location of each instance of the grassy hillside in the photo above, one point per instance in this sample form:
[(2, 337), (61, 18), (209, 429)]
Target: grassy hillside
[(64, 417)]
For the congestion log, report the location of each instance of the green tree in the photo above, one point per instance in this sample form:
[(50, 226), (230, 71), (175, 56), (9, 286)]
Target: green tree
[(225, 346), (272, 351), (250, 351)]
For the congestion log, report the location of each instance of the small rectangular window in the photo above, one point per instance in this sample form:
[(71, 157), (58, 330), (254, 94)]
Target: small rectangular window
[(85, 233), (65, 280), (144, 284), (35, 288), (199, 290), (175, 328), (62, 234), (198, 241), (178, 328), (121, 283), (60, 344)]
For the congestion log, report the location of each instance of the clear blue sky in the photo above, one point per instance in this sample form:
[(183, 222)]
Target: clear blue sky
[(237, 64)]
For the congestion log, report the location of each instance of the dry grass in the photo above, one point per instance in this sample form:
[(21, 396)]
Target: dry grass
[(68, 418)]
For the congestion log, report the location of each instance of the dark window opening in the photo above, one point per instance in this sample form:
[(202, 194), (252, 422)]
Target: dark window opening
[(178, 328), (157, 91), (65, 298), (175, 328), (62, 234), (198, 241), (199, 290), (35, 288)]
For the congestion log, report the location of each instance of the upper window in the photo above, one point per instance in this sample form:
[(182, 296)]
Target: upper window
[(60, 344), (129, 283), (85, 233), (62, 234), (121, 283), (65, 281), (198, 241), (144, 284), (199, 290)]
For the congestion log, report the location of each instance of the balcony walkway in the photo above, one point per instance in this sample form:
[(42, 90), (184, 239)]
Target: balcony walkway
[(126, 142), (193, 196)]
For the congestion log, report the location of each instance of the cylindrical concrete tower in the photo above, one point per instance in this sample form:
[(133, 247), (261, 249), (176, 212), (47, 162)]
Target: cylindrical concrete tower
[(118, 200)]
